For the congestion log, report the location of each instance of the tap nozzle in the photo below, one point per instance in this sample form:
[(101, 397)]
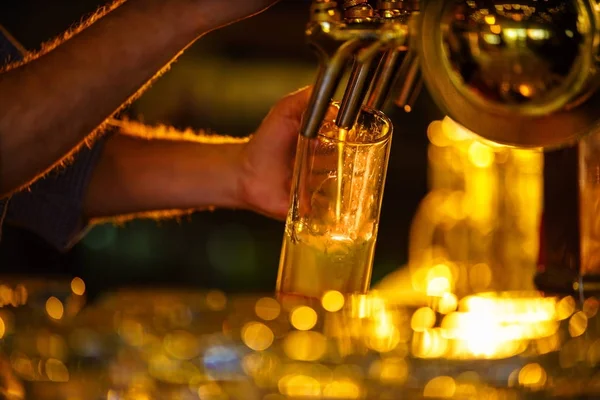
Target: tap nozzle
[(327, 82), (364, 38), (384, 79), (355, 93), (411, 82)]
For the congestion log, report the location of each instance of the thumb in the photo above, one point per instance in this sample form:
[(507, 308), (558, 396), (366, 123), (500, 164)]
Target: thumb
[(282, 124), (292, 106)]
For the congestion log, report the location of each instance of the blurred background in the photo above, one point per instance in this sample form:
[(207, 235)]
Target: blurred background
[(225, 83)]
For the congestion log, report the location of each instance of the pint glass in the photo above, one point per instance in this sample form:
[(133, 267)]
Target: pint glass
[(336, 197)]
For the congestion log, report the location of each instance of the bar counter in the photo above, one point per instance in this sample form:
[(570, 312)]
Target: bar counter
[(182, 344)]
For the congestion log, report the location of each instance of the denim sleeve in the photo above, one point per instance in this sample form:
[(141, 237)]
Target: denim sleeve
[(52, 207)]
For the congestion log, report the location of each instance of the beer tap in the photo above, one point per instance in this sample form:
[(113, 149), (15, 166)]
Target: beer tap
[(371, 41), (521, 73)]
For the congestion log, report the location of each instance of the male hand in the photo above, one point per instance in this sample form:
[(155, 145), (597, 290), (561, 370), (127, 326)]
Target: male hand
[(267, 159)]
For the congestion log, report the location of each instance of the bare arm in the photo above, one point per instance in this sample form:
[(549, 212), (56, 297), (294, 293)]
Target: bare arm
[(157, 172), (56, 100)]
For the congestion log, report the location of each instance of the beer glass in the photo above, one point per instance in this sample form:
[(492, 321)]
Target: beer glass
[(336, 197)]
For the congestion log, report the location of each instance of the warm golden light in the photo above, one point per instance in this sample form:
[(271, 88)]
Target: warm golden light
[(181, 345), (333, 301), (132, 332), (593, 356), (436, 134), (439, 280), (2, 328), (256, 363), (362, 305), (497, 29), (456, 132), (305, 345), (480, 277), (565, 307), (341, 389), (23, 366), (54, 308), (484, 204), (525, 90), (422, 319), (513, 309), (393, 370), (384, 338), (441, 387), (78, 286), (165, 369), (373, 345), (478, 230), (211, 391), (447, 303), (299, 386), (267, 309), (548, 344), (56, 371), (490, 19), (216, 300), (430, 343), (481, 155), (303, 318), (257, 336), (578, 324), (437, 287), (493, 327), (532, 376), (52, 346), (590, 307)]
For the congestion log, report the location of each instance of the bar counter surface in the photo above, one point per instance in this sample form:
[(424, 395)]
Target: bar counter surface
[(174, 344)]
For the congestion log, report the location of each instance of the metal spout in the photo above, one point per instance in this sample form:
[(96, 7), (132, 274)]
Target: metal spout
[(327, 82), (410, 82), (355, 94), (362, 36), (384, 77)]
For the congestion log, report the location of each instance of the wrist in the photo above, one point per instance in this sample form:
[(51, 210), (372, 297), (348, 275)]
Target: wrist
[(210, 176), (136, 175), (228, 176)]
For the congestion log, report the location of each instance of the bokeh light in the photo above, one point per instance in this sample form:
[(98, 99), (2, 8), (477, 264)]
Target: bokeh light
[(333, 301), (257, 336), (78, 286), (303, 318), (267, 309), (54, 308)]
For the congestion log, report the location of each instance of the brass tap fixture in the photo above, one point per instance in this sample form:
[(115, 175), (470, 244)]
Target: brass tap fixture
[(519, 72), (369, 40)]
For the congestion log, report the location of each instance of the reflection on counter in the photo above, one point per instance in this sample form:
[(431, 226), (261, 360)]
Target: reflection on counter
[(462, 322), (162, 344)]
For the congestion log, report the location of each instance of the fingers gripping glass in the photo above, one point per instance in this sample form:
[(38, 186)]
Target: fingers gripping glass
[(337, 191)]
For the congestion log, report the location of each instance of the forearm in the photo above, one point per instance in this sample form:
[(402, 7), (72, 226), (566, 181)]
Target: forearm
[(52, 104), (162, 175)]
